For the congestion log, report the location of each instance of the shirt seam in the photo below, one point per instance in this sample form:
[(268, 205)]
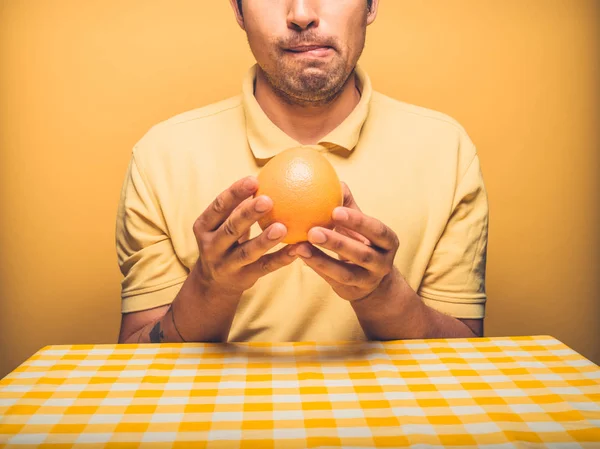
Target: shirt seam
[(205, 115), (454, 300), (457, 126), (462, 177)]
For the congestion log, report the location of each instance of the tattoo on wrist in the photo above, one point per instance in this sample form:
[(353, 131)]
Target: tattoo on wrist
[(156, 334)]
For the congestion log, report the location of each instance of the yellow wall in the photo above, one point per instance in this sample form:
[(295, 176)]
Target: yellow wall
[(81, 81)]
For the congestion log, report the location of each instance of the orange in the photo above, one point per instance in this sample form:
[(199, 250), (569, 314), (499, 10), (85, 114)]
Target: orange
[(304, 188)]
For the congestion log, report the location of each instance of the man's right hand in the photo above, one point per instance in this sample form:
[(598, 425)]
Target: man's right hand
[(228, 263)]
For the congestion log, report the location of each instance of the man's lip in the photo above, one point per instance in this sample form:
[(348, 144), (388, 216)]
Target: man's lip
[(302, 48)]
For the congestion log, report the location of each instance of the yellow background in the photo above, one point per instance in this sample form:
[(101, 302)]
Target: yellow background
[(82, 81)]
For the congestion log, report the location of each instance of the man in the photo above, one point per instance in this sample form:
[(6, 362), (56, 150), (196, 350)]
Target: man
[(197, 268)]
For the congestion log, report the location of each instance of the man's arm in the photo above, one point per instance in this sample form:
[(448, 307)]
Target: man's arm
[(228, 264), (395, 311), (196, 314), (385, 304)]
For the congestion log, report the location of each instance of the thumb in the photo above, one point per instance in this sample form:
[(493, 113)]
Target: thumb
[(350, 202), (353, 235), (348, 198)]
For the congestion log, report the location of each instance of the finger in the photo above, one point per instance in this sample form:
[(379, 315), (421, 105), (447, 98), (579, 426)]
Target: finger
[(270, 262), (377, 232), (240, 221), (334, 284), (222, 206), (353, 235), (245, 237), (349, 249), (351, 203), (337, 270), (348, 197), (356, 292), (250, 251)]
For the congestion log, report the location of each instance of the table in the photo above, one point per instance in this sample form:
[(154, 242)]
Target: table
[(492, 392)]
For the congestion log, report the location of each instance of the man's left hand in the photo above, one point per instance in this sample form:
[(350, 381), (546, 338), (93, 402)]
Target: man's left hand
[(366, 248)]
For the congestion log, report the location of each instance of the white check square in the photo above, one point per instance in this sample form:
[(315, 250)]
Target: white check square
[(44, 419), (221, 399), (28, 438), (586, 406), (227, 416), (343, 397), (546, 426), (287, 415), (167, 400), (234, 435), (93, 438), (526, 408), (398, 395), (407, 411), (354, 432), (159, 437), (565, 390)]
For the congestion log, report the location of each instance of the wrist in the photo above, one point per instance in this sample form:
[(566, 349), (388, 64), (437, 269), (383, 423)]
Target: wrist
[(379, 300), (391, 311), (209, 290), (202, 310)]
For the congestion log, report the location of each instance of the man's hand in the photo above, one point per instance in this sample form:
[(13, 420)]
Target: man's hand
[(365, 246), (385, 305), (228, 262)]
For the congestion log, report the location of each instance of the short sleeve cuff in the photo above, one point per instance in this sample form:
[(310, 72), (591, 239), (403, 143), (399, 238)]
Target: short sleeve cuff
[(144, 299), (462, 308)]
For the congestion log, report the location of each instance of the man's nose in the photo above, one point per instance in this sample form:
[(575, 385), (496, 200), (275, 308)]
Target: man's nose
[(302, 15)]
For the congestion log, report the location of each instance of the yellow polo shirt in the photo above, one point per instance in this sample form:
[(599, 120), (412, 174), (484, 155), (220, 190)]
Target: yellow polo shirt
[(414, 169)]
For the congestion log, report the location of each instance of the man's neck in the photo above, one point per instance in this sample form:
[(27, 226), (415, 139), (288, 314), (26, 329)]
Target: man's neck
[(306, 124)]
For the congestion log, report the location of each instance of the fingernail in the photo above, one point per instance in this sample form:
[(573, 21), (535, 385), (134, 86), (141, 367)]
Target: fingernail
[(304, 251), (249, 183), (316, 236), (340, 214), (262, 204), (292, 252), (275, 232)]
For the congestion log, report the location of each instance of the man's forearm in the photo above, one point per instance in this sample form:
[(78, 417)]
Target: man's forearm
[(196, 314), (396, 312)]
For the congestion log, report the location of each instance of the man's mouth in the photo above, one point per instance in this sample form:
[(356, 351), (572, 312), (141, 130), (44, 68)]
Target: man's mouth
[(310, 50)]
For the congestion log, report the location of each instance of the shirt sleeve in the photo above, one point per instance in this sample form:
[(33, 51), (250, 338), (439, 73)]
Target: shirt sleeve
[(152, 272), (454, 281)]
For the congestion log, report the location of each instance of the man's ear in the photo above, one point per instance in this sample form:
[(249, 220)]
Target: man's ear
[(372, 14), (239, 17)]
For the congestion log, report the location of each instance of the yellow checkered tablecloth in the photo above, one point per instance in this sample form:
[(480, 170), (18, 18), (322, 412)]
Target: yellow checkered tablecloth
[(492, 393)]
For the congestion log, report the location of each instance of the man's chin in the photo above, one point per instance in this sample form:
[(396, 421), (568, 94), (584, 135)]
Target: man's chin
[(308, 83)]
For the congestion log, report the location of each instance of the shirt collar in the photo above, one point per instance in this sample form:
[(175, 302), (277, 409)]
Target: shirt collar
[(266, 139)]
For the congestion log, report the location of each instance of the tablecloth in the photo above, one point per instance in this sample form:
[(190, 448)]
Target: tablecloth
[(495, 393)]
